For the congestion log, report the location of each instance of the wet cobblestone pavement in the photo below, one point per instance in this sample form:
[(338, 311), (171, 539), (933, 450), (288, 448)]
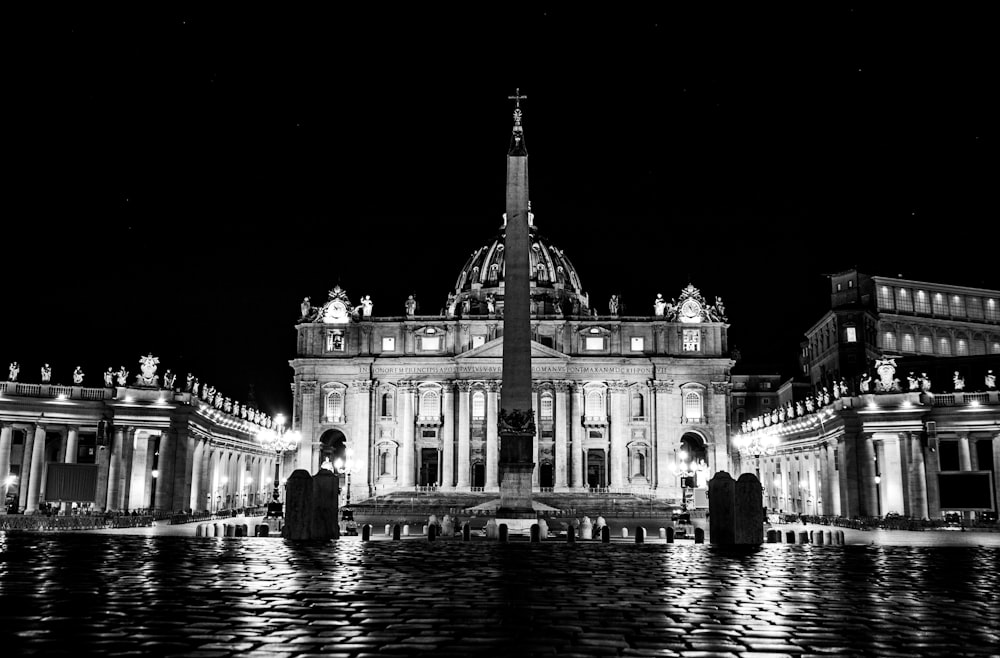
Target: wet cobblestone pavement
[(85, 594)]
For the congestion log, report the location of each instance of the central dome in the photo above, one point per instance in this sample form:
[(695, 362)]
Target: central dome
[(555, 285)]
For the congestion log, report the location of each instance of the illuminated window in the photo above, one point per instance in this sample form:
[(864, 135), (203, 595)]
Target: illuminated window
[(903, 300), (975, 306), (637, 343), (995, 347), (691, 340), (852, 335), (692, 406), (926, 347), (388, 344), (478, 405), (908, 344), (885, 298), (922, 302), (546, 405), (961, 347), (335, 342), (595, 404), (957, 306), (944, 346), (940, 304), (334, 406), (992, 310), (430, 404), (889, 341)]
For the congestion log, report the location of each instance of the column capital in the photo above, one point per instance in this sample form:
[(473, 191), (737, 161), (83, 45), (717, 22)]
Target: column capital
[(463, 385), (662, 386), (361, 384), (562, 385), (618, 386)]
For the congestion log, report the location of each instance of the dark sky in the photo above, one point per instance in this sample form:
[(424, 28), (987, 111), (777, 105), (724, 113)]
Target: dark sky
[(177, 181)]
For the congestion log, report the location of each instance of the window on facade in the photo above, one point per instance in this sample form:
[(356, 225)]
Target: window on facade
[(975, 307), (850, 283), (477, 341), (596, 435), (765, 386), (692, 340), (430, 343), (740, 401), (839, 287), (992, 310), (926, 347), (547, 341), (921, 302), (885, 298), (388, 344), (692, 406), (383, 463), (961, 347), (903, 300), (852, 334), (889, 341), (430, 404), (637, 343), (546, 406), (995, 347), (335, 342), (595, 404), (978, 345), (478, 405), (908, 344), (637, 406), (640, 464), (594, 343), (957, 306), (944, 346), (334, 405), (939, 304)]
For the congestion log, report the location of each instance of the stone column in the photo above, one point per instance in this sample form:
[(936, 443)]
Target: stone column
[(932, 466), (867, 488), (139, 491), (492, 451), (72, 444), (164, 494), (360, 441), (619, 458), (6, 437), (128, 455), (576, 436), (406, 477), (464, 465), (27, 451), (996, 465), (306, 459), (917, 474), (197, 493), (562, 424), (37, 462), (848, 449), (661, 442), (536, 480), (448, 438), (965, 464), (834, 479), (115, 471), (892, 476)]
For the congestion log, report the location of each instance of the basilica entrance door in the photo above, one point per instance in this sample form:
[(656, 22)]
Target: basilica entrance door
[(596, 470), (428, 467), (545, 475), (479, 475)]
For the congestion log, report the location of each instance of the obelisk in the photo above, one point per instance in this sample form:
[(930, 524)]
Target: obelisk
[(516, 423)]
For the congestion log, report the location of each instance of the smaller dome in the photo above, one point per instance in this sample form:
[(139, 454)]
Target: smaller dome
[(555, 285)]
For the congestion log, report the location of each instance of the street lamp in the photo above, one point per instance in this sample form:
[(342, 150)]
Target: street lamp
[(343, 466), (7, 483), (278, 440)]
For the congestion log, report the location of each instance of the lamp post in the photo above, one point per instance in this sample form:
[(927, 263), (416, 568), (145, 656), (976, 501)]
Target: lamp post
[(278, 440), (343, 466), (7, 482)]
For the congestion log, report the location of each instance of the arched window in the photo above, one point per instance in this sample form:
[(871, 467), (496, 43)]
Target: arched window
[(944, 346), (334, 406), (640, 464), (926, 346), (546, 405), (908, 344), (479, 405), (692, 406), (383, 462), (386, 406), (889, 341), (595, 404), (637, 405), (961, 347), (430, 404)]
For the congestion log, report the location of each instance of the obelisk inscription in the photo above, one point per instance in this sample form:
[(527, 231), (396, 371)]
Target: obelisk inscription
[(516, 420)]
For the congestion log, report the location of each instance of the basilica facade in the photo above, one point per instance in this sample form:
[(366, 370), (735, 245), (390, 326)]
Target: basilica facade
[(621, 403)]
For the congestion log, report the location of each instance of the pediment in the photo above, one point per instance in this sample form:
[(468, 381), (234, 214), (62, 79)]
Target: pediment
[(494, 350)]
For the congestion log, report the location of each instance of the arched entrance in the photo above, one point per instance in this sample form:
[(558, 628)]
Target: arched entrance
[(545, 478), (596, 469), (479, 475), (333, 446)]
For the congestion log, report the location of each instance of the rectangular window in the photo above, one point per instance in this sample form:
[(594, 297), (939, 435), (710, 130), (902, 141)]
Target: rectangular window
[(903, 300), (940, 304), (692, 340), (957, 306), (889, 341), (885, 298), (388, 344), (852, 334), (975, 305), (926, 347), (478, 341), (430, 343), (547, 341), (594, 343), (335, 342), (596, 435), (992, 310), (429, 434), (765, 386), (922, 302), (637, 343), (740, 402)]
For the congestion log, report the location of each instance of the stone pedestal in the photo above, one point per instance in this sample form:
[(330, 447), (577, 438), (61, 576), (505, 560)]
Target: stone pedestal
[(324, 506), (721, 508), (298, 506), (748, 517)]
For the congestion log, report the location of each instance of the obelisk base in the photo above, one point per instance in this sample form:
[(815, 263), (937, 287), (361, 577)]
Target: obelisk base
[(515, 498)]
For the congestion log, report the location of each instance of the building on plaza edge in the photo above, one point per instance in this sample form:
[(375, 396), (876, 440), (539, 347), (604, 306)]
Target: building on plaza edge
[(900, 412), (408, 400)]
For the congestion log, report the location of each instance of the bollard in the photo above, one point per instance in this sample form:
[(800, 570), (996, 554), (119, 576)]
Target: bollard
[(246, 530), (198, 532), (466, 531), (256, 530), (640, 535), (812, 538), (366, 532), (406, 529), (772, 536), (624, 533), (828, 537), (431, 532), (818, 538), (265, 530), (395, 531), (230, 530), (840, 537), (240, 531), (536, 533), (423, 529), (670, 535), (663, 533), (699, 535), (790, 537), (803, 537), (218, 530), (605, 534), (503, 533), (388, 529)]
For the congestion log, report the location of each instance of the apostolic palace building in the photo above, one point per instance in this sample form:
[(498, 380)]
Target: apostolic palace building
[(895, 408)]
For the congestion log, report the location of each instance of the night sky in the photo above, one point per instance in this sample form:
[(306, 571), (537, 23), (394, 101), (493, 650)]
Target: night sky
[(178, 181)]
